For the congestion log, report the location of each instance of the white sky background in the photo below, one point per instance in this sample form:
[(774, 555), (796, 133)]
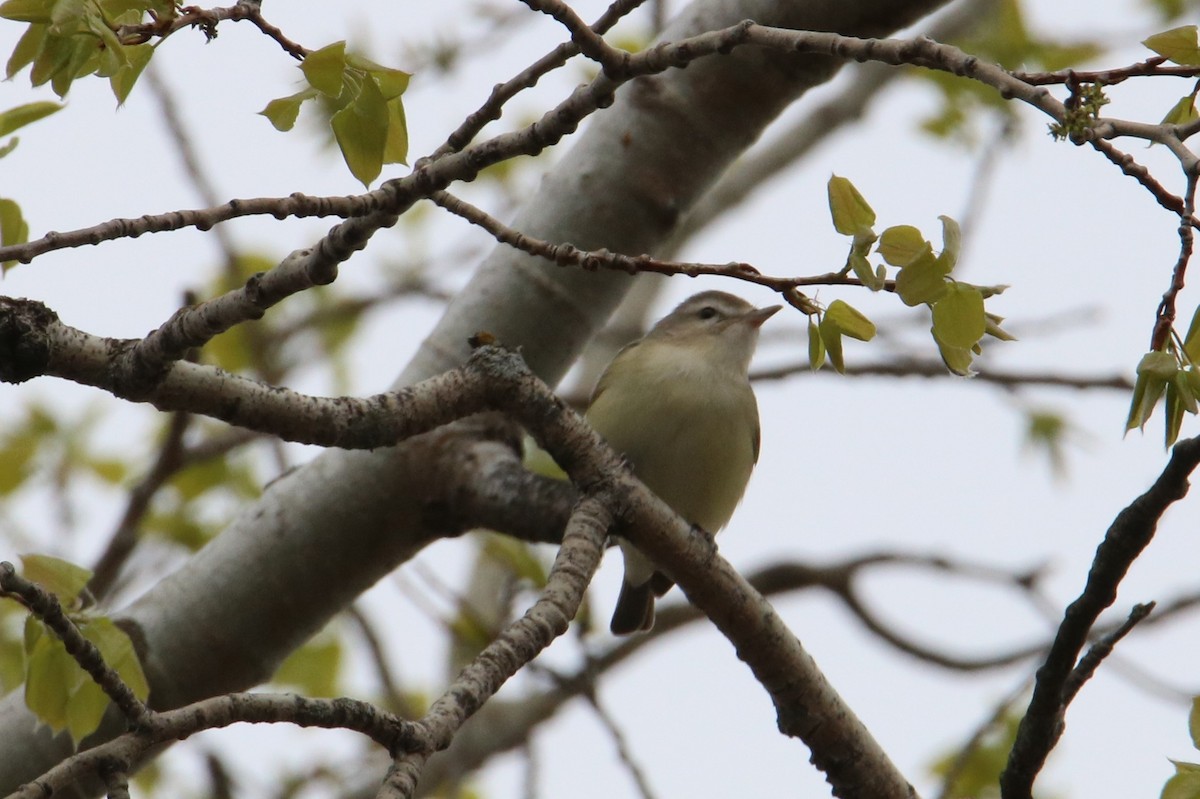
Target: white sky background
[(847, 465)]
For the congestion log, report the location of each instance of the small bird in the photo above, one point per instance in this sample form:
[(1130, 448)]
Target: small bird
[(678, 405)]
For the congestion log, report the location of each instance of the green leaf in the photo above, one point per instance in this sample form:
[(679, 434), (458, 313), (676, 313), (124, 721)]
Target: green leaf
[(957, 359), (118, 652), (1178, 45), (85, 708), (851, 213), (361, 130), (993, 329), (26, 10), (27, 49), (22, 115), (849, 321), (863, 270), (13, 228), (517, 557), (1153, 372), (922, 281), (283, 111), (16, 458), (900, 245), (1194, 722), (391, 82), (831, 337), (1185, 380), (395, 150), (63, 579), (122, 81), (816, 347), (313, 668), (1183, 112), (1161, 365), (51, 676), (1174, 413), (958, 317), (1185, 784), (12, 652), (1191, 342), (325, 69), (951, 244)]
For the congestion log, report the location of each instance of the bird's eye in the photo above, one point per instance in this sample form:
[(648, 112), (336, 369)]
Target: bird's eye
[(707, 312)]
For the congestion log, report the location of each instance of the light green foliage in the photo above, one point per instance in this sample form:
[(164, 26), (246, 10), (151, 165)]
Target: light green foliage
[(13, 227), (19, 116), (12, 645), (1171, 375), (1046, 432), (63, 448), (1007, 40), (366, 113), (61, 578), (1183, 112), (518, 557), (976, 773), (68, 39), (1180, 46), (922, 278), (57, 690), (314, 668), (838, 320), (185, 510), (1185, 783), (851, 213)]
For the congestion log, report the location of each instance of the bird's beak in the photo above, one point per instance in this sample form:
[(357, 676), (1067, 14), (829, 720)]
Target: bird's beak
[(756, 317)]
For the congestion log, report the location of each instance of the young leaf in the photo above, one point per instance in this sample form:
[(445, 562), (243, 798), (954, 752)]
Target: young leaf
[(50, 678), (831, 337), (1185, 784), (26, 10), (1183, 112), (951, 243), (849, 321), (325, 69), (958, 317), (1191, 342), (395, 151), (1153, 372), (61, 578), (13, 228), (282, 112), (117, 650), (957, 359), (851, 213), (1174, 413), (900, 245), (21, 115), (816, 347), (313, 668), (361, 132), (923, 280), (1194, 722), (1178, 45)]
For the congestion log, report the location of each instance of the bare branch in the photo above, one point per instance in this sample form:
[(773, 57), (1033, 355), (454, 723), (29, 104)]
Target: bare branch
[(520, 643), (1128, 535)]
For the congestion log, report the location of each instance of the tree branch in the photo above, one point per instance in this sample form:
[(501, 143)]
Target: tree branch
[(1128, 535)]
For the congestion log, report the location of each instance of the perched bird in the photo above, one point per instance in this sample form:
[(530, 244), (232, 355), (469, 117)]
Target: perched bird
[(678, 405)]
